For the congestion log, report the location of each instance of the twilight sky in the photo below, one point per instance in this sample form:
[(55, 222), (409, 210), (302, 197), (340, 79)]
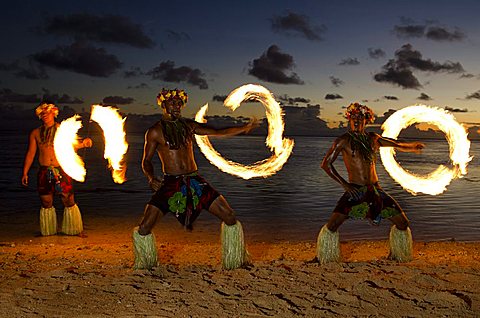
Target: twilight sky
[(384, 53)]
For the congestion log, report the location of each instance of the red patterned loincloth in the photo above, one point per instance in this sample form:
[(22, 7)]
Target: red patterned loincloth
[(51, 180)]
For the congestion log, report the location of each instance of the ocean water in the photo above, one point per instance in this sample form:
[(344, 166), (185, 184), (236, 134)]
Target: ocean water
[(292, 205)]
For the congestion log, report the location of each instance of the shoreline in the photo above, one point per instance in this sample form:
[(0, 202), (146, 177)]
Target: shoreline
[(180, 252)]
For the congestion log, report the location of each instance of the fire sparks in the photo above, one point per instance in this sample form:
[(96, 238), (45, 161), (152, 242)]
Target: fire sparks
[(65, 145), (456, 135), (116, 146), (281, 147)]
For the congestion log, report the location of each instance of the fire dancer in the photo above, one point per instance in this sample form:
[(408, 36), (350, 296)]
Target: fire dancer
[(51, 179), (182, 191), (363, 197)]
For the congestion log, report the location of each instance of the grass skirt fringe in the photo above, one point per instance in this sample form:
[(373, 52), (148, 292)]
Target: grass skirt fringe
[(328, 246), (401, 245), (145, 250), (234, 253), (72, 221), (48, 221)]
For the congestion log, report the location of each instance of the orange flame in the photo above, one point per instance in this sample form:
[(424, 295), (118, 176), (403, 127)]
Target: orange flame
[(437, 181), (65, 143), (116, 146), (281, 147)]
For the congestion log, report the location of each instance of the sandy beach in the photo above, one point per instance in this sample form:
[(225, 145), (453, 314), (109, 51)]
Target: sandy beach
[(92, 276)]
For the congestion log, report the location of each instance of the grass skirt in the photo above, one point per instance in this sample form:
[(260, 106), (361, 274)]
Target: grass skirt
[(48, 221), (234, 253), (401, 245), (145, 250), (328, 246), (72, 221)]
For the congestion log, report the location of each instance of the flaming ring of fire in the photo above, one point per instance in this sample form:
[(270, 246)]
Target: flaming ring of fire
[(112, 124), (66, 139), (281, 147), (435, 182)]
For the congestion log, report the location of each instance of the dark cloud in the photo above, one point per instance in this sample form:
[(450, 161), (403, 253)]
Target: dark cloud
[(139, 86), (376, 53), (475, 95), (336, 81), (442, 34), (222, 98), (408, 57), (390, 97), (349, 61), (167, 72), (65, 99), (118, 100), (333, 96), (429, 31), (99, 28), (293, 100), (395, 74), (133, 72), (32, 70), (272, 65), (297, 25), (219, 98), (467, 75), (409, 31), (60, 99), (9, 96), (398, 71), (80, 58), (456, 110), (177, 36), (424, 96)]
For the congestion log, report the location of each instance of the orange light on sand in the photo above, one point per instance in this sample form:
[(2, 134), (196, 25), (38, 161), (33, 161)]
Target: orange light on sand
[(65, 145), (437, 181), (281, 147), (116, 146)]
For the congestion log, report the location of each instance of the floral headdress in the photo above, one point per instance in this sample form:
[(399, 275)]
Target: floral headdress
[(166, 94), (356, 108), (45, 107)]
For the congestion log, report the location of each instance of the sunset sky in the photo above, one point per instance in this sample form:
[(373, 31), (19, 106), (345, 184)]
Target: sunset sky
[(387, 54)]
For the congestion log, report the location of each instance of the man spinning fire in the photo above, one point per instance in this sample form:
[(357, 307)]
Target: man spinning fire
[(51, 179), (182, 191), (363, 197)]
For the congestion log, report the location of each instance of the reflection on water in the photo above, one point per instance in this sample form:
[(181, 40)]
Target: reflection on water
[(291, 205)]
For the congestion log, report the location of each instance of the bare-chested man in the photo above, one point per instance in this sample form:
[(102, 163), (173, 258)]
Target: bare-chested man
[(363, 197), (182, 191), (51, 178)]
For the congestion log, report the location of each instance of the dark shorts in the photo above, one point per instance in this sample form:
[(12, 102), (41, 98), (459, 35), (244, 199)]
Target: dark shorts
[(51, 180), (185, 196), (374, 204)]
